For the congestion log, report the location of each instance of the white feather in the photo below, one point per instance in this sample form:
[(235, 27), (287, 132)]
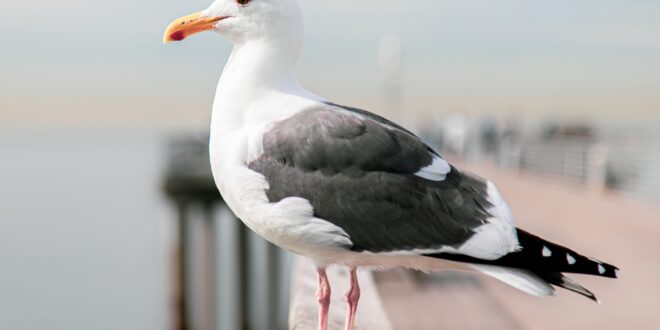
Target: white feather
[(437, 171), (520, 279), (497, 237)]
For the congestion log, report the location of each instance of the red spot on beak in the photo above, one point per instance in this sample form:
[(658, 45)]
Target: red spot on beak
[(178, 36)]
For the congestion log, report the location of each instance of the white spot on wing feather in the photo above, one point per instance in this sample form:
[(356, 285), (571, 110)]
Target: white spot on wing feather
[(546, 252), (570, 259), (437, 171)]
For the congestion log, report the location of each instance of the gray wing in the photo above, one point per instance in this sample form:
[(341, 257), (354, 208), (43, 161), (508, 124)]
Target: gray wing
[(360, 172)]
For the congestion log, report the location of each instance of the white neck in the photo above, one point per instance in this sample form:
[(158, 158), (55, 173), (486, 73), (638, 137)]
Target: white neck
[(262, 64), (255, 70)]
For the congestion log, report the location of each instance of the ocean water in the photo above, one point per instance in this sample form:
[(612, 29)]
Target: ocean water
[(83, 231)]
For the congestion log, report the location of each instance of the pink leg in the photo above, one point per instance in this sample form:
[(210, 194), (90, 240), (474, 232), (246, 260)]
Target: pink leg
[(352, 297), (323, 296)]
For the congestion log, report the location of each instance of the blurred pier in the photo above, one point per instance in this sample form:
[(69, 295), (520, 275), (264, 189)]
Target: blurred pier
[(562, 189), (224, 276)]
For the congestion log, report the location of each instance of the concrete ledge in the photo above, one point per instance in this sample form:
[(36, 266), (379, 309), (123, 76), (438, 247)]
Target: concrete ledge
[(303, 314)]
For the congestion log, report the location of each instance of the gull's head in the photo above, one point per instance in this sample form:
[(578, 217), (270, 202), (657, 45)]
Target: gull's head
[(240, 20)]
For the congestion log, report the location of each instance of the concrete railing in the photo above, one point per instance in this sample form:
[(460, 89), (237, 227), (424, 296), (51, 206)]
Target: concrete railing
[(303, 313)]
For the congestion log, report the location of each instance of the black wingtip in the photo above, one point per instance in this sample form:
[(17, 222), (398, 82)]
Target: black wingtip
[(590, 296), (542, 255), (560, 280), (605, 269)]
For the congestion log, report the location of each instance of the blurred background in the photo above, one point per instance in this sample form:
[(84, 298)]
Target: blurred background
[(109, 220)]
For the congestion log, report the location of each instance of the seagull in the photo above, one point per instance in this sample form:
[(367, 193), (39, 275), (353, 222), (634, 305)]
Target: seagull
[(344, 186)]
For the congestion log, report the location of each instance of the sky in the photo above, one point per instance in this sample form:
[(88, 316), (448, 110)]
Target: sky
[(93, 63)]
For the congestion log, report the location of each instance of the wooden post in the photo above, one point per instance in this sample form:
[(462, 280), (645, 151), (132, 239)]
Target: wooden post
[(180, 305)]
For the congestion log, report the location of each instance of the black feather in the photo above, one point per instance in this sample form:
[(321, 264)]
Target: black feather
[(531, 257), (548, 266)]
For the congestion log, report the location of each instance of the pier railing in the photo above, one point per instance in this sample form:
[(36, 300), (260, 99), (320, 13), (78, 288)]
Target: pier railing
[(221, 270), (625, 164)]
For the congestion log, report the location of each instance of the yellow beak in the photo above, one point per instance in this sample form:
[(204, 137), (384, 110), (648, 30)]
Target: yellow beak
[(186, 26)]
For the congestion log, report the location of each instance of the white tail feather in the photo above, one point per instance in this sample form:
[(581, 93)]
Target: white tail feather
[(520, 279)]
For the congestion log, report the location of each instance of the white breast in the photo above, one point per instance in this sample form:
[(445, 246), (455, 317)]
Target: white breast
[(289, 223)]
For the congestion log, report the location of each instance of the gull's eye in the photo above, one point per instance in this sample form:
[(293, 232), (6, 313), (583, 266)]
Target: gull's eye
[(243, 2)]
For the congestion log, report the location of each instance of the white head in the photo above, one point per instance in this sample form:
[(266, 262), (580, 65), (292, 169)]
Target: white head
[(242, 21)]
